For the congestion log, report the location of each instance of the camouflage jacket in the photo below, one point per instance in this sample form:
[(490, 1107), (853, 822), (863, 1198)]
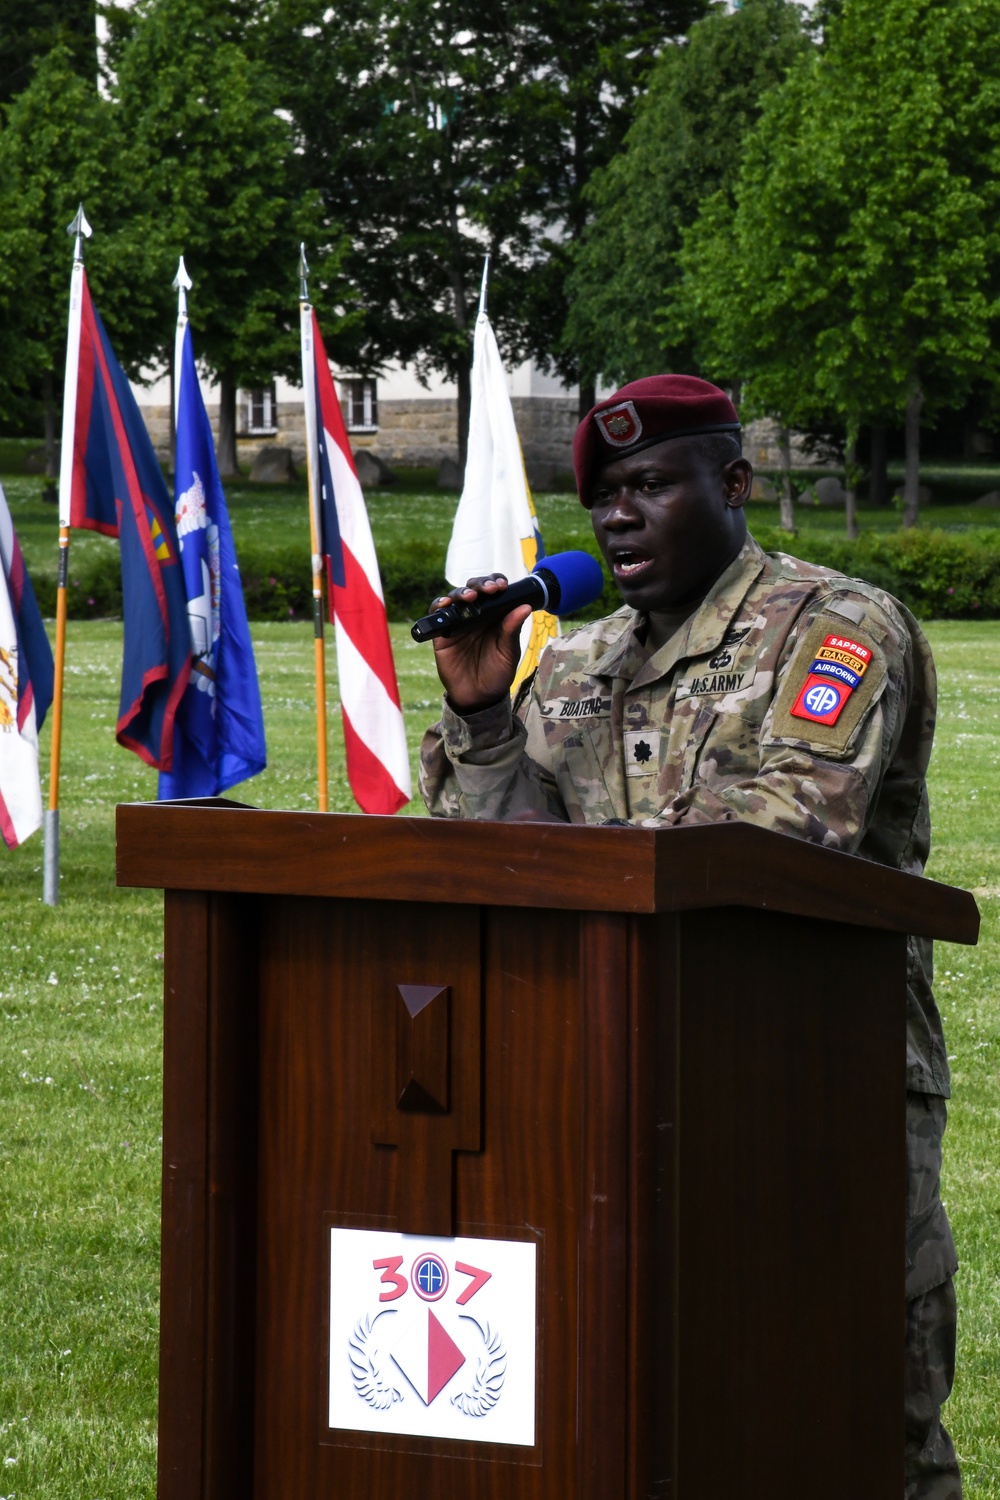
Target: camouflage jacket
[(712, 727)]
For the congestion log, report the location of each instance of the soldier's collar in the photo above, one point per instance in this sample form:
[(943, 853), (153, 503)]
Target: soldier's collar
[(717, 611), (626, 656)]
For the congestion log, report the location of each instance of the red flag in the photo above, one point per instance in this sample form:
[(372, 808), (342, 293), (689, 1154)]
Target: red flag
[(378, 766)]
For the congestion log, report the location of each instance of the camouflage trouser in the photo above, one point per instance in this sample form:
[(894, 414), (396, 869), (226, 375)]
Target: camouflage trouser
[(931, 1465)]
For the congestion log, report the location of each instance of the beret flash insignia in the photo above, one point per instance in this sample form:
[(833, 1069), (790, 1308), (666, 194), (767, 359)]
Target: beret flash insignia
[(619, 425)]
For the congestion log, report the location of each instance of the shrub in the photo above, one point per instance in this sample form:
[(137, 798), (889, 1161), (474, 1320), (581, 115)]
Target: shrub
[(937, 574)]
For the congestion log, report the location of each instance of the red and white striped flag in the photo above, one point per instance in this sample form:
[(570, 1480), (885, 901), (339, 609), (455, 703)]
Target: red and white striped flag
[(378, 766)]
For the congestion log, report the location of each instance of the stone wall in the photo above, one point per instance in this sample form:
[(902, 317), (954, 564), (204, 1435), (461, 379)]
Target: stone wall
[(157, 420), (545, 425), (760, 444), (421, 432), (414, 433)]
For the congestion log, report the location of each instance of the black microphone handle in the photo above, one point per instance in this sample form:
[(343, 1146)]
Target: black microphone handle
[(452, 619)]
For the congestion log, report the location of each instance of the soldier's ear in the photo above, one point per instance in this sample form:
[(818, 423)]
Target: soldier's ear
[(737, 478)]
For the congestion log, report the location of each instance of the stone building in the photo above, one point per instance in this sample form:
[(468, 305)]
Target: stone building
[(395, 417), (409, 425)]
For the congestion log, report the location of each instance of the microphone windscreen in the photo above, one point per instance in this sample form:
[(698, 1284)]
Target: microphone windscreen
[(579, 576)]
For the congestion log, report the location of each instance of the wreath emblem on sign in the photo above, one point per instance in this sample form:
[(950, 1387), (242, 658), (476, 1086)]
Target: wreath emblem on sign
[(366, 1367), (491, 1369)]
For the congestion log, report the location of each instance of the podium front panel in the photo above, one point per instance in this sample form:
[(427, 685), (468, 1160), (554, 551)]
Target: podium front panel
[(531, 1149)]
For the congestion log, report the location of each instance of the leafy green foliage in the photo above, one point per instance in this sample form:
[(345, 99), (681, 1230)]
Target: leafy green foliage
[(61, 144), (939, 575), (438, 131), (28, 32), (861, 267), (684, 145), (200, 111)]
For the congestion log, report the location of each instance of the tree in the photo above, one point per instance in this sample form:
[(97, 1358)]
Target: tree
[(684, 145), (29, 32), (60, 144), (438, 130), (587, 67), (863, 261), (201, 110)]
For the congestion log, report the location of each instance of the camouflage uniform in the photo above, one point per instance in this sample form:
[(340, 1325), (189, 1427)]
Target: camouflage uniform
[(703, 731)]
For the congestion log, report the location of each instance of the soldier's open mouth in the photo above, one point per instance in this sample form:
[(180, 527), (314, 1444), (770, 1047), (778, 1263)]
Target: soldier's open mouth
[(628, 564)]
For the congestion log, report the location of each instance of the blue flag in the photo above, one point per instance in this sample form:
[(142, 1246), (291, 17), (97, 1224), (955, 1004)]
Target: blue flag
[(117, 487), (219, 728)]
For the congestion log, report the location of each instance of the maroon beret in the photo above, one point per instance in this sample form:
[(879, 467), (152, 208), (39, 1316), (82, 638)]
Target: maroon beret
[(646, 412)]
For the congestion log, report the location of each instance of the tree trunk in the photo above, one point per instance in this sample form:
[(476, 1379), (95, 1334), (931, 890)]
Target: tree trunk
[(588, 396), (911, 483), (49, 417), (464, 411), (225, 448), (851, 485), (878, 483), (787, 519)]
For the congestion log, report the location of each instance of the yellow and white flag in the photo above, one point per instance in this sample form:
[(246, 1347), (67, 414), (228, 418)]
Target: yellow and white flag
[(495, 528)]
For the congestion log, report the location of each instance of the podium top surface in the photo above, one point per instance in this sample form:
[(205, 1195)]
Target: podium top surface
[(218, 846)]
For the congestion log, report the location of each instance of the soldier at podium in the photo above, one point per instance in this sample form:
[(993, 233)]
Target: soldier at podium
[(731, 684)]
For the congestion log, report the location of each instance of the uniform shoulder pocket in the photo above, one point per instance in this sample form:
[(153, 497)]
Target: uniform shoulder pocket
[(837, 674)]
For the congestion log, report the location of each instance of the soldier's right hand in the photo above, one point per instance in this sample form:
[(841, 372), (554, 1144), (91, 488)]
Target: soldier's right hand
[(477, 667)]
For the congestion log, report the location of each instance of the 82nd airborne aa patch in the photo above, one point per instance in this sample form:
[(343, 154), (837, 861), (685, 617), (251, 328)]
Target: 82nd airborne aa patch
[(837, 670)]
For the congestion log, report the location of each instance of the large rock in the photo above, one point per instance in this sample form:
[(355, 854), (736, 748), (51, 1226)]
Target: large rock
[(373, 472), (762, 489), (989, 501), (449, 475), (830, 491), (273, 465)]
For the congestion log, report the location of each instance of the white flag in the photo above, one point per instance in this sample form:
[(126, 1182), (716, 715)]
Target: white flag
[(20, 790), (495, 528)]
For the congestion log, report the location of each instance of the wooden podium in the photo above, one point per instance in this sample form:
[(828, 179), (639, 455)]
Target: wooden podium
[(667, 1067)]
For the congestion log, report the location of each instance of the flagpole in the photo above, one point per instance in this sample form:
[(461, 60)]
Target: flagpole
[(81, 230), (482, 289), (182, 284), (315, 530)]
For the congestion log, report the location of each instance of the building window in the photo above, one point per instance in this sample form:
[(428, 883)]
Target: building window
[(362, 405), (260, 410)]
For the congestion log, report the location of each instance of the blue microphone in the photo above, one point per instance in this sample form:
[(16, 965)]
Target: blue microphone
[(560, 584)]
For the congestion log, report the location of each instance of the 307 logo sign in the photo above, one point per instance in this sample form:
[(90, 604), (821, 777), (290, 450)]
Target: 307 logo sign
[(432, 1336)]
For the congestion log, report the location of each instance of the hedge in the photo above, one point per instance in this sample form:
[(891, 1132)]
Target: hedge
[(938, 574)]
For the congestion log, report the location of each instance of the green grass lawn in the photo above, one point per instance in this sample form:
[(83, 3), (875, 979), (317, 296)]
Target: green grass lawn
[(81, 1012)]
